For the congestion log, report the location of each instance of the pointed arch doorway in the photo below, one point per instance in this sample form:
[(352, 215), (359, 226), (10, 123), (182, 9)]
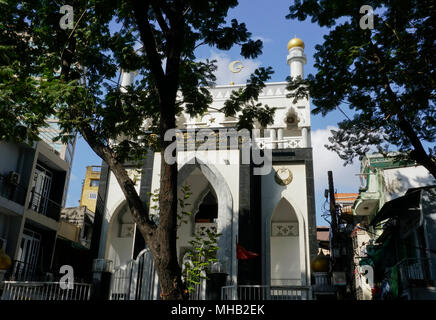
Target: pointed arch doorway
[(285, 248)]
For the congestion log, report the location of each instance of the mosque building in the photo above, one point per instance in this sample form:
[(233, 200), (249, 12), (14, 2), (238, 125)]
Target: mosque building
[(271, 215)]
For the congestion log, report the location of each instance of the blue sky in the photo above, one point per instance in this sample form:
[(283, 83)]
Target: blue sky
[(265, 20)]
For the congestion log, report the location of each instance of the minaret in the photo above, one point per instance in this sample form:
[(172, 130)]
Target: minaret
[(296, 57), (127, 79), (296, 60)]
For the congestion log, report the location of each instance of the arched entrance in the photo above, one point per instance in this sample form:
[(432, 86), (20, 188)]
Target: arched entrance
[(121, 236), (213, 194), (285, 246)]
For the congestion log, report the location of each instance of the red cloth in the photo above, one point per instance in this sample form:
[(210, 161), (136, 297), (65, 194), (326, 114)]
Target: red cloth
[(244, 254)]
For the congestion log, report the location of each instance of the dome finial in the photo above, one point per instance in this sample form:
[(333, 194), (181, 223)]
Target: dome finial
[(295, 42)]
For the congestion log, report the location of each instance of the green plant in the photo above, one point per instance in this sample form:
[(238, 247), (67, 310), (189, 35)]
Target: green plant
[(202, 253), (203, 248)]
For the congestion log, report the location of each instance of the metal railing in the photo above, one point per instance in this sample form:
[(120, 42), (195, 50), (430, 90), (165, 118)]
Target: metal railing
[(284, 143), (137, 280), (414, 272), (14, 290), (22, 271), (12, 191), (121, 280), (265, 292), (44, 205), (322, 282), (199, 293)]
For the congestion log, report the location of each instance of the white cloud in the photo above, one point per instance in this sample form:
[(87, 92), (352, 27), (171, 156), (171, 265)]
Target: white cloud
[(224, 76), (263, 39), (345, 178)]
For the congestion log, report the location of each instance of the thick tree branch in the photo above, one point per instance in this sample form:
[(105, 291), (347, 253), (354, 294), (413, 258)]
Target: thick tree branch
[(147, 38), (127, 186), (160, 19), (136, 207), (67, 58), (418, 153)]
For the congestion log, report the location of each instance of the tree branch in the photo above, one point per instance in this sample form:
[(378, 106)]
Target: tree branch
[(418, 153), (160, 19), (147, 38), (127, 186)]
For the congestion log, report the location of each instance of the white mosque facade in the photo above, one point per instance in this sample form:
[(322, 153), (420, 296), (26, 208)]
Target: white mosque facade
[(271, 214)]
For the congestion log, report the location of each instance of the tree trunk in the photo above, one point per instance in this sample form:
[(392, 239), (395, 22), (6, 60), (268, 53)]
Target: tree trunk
[(167, 264), (160, 239)]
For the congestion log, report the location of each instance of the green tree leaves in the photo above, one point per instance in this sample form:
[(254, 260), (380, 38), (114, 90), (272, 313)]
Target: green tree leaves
[(386, 76)]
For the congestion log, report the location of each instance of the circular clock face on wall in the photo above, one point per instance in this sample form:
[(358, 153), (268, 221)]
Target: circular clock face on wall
[(283, 176)]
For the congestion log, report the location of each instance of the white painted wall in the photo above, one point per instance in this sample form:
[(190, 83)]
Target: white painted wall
[(111, 246), (285, 252), (120, 250), (285, 261), (274, 94), (398, 180), (230, 174), (198, 185), (121, 247)]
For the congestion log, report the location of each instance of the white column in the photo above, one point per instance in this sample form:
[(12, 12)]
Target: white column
[(273, 137), (296, 60), (280, 137), (297, 68), (309, 139), (127, 80), (305, 134)]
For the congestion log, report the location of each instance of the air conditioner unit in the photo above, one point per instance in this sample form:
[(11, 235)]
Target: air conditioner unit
[(14, 177)]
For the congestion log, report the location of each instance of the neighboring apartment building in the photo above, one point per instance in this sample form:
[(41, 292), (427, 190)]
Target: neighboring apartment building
[(76, 227), (345, 202), (73, 241), (32, 184), (384, 180), (341, 246), (64, 150), (90, 187), (405, 253)]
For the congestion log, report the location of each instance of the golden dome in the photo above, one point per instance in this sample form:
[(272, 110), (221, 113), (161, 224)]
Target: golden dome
[(5, 260), (321, 263), (295, 42)]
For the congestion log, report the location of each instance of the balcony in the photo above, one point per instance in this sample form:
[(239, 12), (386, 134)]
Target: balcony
[(415, 273), (266, 292), (12, 191), (366, 204), (43, 205), (22, 271), (285, 143)]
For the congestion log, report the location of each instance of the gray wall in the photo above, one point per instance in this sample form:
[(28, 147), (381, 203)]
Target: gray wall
[(19, 158)]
